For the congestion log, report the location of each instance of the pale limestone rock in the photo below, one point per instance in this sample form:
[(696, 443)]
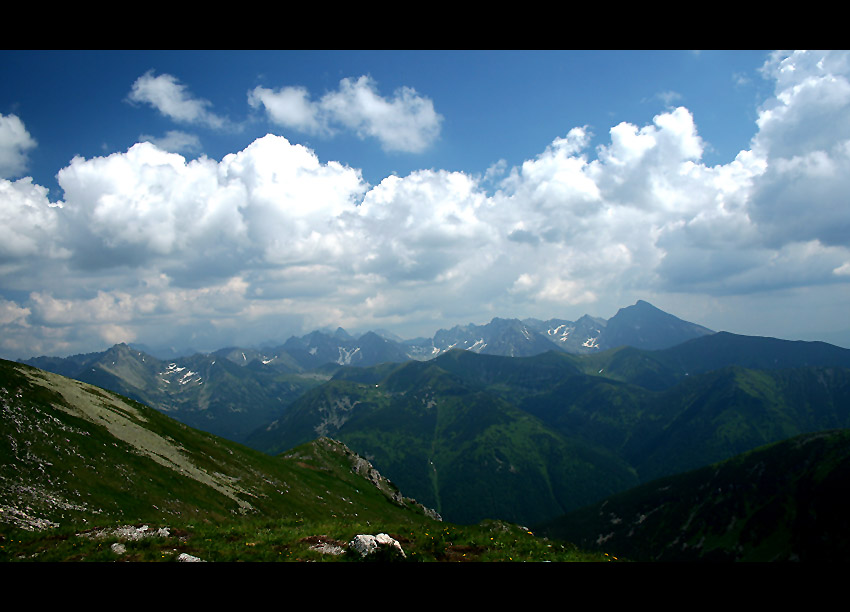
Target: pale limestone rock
[(366, 544)]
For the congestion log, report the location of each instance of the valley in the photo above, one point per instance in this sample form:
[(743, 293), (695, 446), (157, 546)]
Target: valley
[(523, 422)]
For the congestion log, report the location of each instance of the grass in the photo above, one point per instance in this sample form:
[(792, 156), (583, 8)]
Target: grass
[(289, 540), (77, 463)]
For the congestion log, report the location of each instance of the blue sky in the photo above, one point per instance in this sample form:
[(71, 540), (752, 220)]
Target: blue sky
[(495, 105), (211, 198)]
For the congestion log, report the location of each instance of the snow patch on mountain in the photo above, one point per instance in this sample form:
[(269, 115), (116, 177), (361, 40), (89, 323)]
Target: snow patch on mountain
[(183, 376), (345, 356), (591, 342)]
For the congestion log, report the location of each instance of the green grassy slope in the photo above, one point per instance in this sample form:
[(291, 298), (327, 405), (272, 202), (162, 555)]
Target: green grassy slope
[(73, 452), (87, 475)]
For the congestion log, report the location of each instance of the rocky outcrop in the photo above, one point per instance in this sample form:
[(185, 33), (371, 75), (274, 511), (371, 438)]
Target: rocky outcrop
[(362, 467)]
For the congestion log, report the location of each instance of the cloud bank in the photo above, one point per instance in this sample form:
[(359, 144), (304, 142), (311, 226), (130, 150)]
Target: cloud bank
[(148, 245)]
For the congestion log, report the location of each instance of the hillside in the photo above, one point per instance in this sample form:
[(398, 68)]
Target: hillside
[(705, 418), (233, 391), (90, 475), (479, 436), (228, 393), (782, 502), (73, 452), (453, 446)]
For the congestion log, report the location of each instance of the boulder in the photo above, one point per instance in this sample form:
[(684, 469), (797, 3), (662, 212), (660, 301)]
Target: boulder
[(368, 545)]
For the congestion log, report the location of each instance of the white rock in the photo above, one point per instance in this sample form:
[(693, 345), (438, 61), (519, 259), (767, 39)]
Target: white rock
[(328, 549), (366, 544)]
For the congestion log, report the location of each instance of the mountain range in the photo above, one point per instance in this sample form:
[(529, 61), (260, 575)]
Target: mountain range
[(527, 439), (230, 392), (233, 391), (478, 435), (641, 325), (89, 475)]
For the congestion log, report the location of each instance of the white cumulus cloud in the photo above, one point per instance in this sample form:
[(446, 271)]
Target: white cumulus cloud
[(175, 141), (15, 144), (290, 107), (28, 221), (804, 138), (148, 243), (405, 122), (272, 202), (173, 99)]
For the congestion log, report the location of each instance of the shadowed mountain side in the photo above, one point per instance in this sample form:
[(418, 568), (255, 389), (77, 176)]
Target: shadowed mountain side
[(783, 502), (645, 326), (213, 392), (755, 352), (706, 418), (661, 369), (461, 450), (477, 419)]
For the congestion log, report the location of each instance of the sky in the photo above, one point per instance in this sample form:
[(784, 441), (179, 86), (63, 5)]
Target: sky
[(197, 200)]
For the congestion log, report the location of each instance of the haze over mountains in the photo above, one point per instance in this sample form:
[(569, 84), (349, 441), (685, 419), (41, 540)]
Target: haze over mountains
[(641, 325), (234, 391), (212, 391)]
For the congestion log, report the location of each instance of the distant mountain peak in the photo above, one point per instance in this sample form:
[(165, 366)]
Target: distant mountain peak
[(641, 306), (641, 325), (645, 326)]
